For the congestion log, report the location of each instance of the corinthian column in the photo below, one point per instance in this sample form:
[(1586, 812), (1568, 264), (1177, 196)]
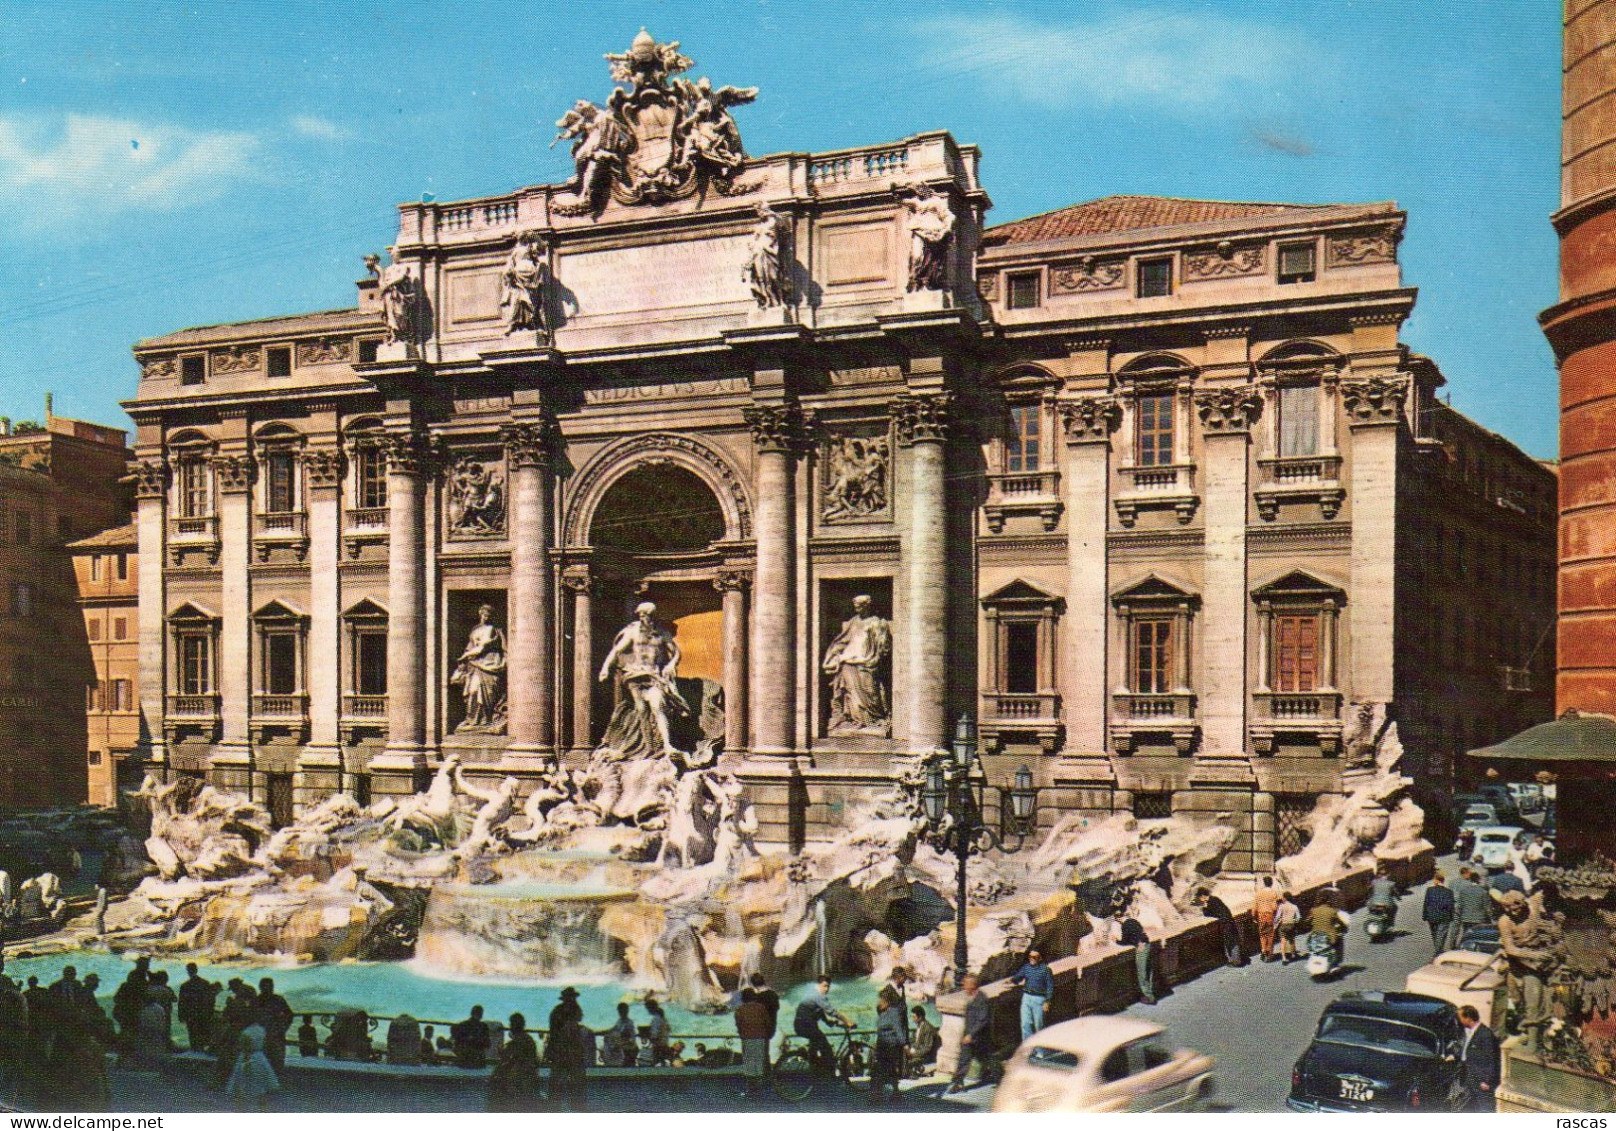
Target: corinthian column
[(151, 482), (732, 584), (777, 432), (1085, 484), (1226, 419), (530, 672), (406, 601), (923, 429), (322, 470), (233, 475)]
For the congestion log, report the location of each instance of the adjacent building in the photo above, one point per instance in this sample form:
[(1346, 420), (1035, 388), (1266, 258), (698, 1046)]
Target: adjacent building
[(59, 481), (1149, 488), (107, 570)]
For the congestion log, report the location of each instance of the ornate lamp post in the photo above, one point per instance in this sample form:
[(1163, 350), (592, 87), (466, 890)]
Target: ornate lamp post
[(953, 802)]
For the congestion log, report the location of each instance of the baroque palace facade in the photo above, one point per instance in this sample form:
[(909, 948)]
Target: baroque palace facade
[(1129, 483)]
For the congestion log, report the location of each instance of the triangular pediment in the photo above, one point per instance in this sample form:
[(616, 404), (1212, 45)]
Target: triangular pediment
[(1019, 592), (192, 612), (1298, 584), (365, 610), (1154, 587), (279, 610)]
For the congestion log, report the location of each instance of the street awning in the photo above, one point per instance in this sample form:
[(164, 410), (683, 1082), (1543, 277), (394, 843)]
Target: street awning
[(1570, 738)]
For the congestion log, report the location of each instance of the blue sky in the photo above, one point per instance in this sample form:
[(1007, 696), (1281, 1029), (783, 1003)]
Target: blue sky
[(165, 165)]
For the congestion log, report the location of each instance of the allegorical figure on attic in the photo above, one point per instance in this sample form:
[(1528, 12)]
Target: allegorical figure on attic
[(523, 282)]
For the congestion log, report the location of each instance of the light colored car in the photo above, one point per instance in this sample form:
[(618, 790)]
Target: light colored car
[(1495, 845), (1463, 977), (1100, 1064), (1478, 816)]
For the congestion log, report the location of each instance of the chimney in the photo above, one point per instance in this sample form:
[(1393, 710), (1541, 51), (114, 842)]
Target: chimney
[(49, 402)]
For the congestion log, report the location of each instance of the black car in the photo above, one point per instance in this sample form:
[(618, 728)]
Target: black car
[(1382, 1051)]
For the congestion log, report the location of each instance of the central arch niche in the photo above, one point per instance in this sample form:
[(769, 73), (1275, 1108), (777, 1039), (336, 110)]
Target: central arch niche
[(656, 510)]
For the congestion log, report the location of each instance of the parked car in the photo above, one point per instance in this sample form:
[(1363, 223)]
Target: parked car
[(1100, 1064), (1480, 940), (1382, 1050), (1502, 799), (1528, 796), (1478, 815), (1463, 977), (1495, 845)]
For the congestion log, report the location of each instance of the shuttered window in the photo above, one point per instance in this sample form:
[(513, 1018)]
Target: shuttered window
[(1296, 652)]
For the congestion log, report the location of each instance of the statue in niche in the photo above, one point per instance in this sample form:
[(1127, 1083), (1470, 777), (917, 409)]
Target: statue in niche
[(522, 285), (644, 662), (858, 698), (395, 286), (480, 675), (931, 228), (768, 269), (476, 499), (857, 472)]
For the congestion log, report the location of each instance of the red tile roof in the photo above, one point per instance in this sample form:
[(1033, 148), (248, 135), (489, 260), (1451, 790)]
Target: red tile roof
[(118, 536), (1130, 213)]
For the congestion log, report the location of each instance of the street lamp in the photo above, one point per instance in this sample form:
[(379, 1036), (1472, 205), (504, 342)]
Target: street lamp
[(952, 798)]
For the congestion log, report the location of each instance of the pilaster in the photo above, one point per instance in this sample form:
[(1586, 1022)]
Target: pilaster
[(233, 474), (1086, 482), (151, 488), (322, 479), (1374, 409)]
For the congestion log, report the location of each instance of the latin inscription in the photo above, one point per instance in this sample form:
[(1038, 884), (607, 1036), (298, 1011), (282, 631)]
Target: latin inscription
[(618, 394), (659, 277)]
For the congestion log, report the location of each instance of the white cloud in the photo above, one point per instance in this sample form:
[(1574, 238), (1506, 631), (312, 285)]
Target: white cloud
[(1182, 60), (323, 129), (78, 167)]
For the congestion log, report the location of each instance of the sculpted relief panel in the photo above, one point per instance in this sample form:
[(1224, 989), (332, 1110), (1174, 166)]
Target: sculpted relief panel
[(476, 491), (857, 478)]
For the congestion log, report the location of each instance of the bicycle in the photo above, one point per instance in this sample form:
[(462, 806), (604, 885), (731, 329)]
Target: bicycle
[(795, 1073)]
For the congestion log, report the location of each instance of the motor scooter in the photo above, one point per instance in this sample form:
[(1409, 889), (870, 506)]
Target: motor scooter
[(1323, 956), (1378, 922)]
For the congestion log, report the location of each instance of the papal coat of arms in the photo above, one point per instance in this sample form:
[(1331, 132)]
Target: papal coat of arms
[(659, 137)]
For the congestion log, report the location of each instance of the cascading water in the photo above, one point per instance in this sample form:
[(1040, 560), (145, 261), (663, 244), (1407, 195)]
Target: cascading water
[(522, 929)]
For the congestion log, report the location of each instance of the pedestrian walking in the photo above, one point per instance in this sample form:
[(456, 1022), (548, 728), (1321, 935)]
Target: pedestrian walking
[(974, 1036), (1287, 921), (1262, 913), (566, 1053), (1214, 908), (752, 1026), (1479, 1056), (1438, 912), (1133, 934), (1037, 984), (898, 982), (891, 1036), (1472, 906)]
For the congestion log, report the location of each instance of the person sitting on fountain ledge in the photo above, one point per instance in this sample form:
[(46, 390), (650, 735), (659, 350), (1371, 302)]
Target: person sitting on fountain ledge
[(471, 1040)]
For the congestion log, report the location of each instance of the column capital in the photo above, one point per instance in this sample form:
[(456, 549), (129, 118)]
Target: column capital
[(732, 579), (323, 467), (1089, 419), (1229, 410), (579, 579), (1374, 400), (777, 427), (151, 477), (922, 418), (532, 443), (235, 472), (407, 453)]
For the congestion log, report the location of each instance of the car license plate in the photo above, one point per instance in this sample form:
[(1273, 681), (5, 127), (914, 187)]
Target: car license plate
[(1358, 1091)]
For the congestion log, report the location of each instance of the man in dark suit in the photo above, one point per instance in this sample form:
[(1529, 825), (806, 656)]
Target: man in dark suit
[(1438, 913), (1480, 1059), (975, 1043)]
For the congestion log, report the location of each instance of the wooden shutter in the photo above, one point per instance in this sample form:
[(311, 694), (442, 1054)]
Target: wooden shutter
[(1296, 652)]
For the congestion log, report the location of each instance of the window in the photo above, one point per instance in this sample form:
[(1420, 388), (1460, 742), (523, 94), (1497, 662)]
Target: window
[(95, 757), (1152, 655), (1296, 652), (280, 663), (367, 350), (1298, 420), (1022, 290), (123, 698), (1155, 277), (1021, 657), (1296, 262), (196, 495), (25, 528), (1021, 448), (195, 658), (1154, 442), (123, 567), (22, 599), (95, 567), (280, 482), (192, 370), (92, 697), (120, 628), (370, 661), (279, 361), (370, 478), (95, 630)]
